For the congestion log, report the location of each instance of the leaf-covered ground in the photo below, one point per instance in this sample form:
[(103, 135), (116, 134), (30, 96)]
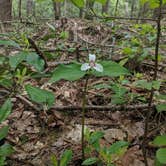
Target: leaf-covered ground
[(36, 135)]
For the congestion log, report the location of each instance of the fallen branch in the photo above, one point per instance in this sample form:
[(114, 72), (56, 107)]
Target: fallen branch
[(111, 108)]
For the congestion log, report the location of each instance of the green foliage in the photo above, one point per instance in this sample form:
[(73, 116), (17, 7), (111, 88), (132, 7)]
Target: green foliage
[(144, 84), (161, 107), (160, 140), (65, 159), (40, 96), (90, 161), (10, 43), (5, 110), (30, 57), (3, 132), (106, 155), (111, 69), (78, 3), (5, 149), (160, 154), (69, 72)]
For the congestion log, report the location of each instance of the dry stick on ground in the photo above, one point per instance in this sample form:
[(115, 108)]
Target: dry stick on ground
[(144, 143), (38, 51), (107, 108)]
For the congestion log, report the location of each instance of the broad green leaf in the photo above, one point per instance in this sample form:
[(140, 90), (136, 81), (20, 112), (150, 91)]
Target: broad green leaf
[(144, 84), (161, 155), (95, 136), (101, 1), (114, 148), (78, 3), (161, 107), (69, 72), (3, 132), (34, 60), (54, 160), (5, 110), (9, 43), (40, 96), (15, 60), (160, 140), (90, 161), (112, 69), (6, 150), (66, 158), (30, 57), (2, 60)]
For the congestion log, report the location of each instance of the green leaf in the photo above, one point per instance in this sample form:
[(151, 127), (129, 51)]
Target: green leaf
[(69, 72), (15, 60), (95, 136), (40, 96), (112, 69), (144, 84), (78, 3), (5, 110), (114, 148), (160, 140), (6, 150), (90, 161), (3, 132), (9, 43), (66, 157), (161, 155), (54, 160), (161, 107), (30, 57), (101, 1), (34, 60)]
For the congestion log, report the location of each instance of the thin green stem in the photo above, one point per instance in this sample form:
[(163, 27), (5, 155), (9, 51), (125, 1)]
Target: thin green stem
[(83, 116)]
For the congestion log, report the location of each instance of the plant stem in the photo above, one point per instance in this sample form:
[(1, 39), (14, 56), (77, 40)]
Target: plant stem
[(83, 116), (144, 150)]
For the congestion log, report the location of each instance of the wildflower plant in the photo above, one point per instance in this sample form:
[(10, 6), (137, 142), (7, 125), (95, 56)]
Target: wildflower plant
[(75, 71)]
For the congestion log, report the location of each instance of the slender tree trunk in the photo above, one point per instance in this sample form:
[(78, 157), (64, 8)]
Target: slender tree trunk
[(132, 8), (57, 9), (30, 8), (19, 9), (5, 10), (89, 6), (116, 7), (105, 7), (81, 13)]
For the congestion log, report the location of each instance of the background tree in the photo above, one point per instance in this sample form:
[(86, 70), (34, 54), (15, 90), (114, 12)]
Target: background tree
[(105, 7), (5, 10)]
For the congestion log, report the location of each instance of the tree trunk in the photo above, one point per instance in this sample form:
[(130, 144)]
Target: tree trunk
[(116, 7), (132, 8), (57, 9), (19, 9), (89, 6), (105, 7), (30, 8), (5, 10)]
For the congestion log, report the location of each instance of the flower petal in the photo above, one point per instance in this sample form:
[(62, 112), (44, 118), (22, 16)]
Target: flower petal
[(98, 67), (85, 66), (92, 57)]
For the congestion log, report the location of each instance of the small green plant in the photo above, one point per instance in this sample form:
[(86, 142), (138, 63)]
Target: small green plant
[(21, 76), (5, 149), (104, 155), (64, 160)]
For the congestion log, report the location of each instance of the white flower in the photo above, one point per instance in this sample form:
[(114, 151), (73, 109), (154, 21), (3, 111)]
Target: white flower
[(92, 64)]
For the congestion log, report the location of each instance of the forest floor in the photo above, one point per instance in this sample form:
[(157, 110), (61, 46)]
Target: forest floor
[(35, 136)]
